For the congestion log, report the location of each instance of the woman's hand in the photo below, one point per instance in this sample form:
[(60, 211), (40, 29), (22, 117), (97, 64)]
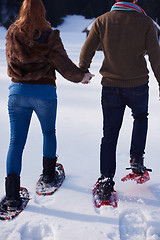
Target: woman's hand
[(87, 77)]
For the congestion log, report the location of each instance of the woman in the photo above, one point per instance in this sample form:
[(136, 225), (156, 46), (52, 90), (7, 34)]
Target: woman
[(34, 51)]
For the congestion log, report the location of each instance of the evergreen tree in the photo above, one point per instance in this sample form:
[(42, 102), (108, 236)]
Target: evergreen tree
[(9, 11), (56, 10), (0, 13), (152, 8)]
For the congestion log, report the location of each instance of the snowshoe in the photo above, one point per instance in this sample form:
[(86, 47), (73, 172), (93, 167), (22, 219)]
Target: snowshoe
[(139, 172), (6, 214), (103, 193), (140, 179), (43, 188)]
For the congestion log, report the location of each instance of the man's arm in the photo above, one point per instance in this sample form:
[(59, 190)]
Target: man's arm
[(153, 50), (88, 50)]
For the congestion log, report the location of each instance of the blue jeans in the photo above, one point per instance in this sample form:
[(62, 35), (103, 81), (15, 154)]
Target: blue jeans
[(20, 110), (114, 101)]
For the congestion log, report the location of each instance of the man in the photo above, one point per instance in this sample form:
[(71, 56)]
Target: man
[(126, 34)]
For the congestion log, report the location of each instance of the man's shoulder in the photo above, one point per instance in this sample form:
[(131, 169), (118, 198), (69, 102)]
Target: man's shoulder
[(144, 20), (116, 15), (103, 16), (100, 20), (143, 17)]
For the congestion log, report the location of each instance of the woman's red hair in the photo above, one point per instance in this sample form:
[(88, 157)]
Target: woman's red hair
[(32, 18)]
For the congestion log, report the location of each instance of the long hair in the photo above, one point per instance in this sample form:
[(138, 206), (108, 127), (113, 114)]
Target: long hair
[(32, 18)]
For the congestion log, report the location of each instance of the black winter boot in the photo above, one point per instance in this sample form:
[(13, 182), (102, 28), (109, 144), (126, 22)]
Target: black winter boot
[(137, 165), (49, 165), (12, 185), (105, 187)]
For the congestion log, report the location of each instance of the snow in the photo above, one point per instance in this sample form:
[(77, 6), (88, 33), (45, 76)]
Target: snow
[(157, 25), (74, 23), (69, 214)]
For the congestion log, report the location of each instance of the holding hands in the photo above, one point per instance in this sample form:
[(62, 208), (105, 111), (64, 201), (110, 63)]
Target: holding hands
[(87, 77)]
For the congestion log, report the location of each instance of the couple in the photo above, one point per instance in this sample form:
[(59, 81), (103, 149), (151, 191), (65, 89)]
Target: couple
[(34, 51)]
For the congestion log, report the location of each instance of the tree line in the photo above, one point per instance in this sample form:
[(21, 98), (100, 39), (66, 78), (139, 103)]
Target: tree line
[(56, 10)]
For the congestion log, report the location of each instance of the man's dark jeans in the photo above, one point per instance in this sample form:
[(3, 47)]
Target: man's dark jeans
[(114, 101)]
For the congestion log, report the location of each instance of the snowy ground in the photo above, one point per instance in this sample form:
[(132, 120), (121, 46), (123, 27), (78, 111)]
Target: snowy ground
[(69, 214)]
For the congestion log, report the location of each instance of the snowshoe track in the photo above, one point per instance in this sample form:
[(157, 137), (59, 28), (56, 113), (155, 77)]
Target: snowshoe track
[(132, 225)]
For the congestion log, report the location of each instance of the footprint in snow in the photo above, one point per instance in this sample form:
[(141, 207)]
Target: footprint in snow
[(35, 230), (132, 225)]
